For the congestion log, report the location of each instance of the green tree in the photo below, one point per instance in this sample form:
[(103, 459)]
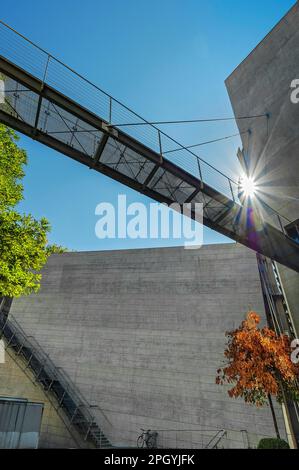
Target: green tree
[(23, 240)]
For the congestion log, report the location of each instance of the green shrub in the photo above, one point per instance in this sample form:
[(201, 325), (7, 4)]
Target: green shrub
[(273, 443)]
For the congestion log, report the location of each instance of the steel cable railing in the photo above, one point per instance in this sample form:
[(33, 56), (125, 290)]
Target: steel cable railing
[(35, 60)]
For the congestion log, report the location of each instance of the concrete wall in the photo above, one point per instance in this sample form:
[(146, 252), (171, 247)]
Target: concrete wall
[(141, 333), (262, 84), (17, 383)]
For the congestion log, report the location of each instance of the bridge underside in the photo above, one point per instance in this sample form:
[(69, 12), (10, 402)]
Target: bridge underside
[(39, 111)]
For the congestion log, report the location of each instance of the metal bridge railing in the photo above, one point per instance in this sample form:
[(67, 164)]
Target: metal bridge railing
[(44, 66), (207, 439)]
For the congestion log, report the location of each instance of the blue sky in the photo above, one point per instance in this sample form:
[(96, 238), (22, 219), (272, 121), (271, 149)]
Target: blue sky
[(165, 59)]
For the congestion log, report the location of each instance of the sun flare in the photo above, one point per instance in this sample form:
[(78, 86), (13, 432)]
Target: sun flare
[(248, 186)]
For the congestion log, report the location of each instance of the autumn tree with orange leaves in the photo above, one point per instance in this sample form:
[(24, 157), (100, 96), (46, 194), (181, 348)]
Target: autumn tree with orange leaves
[(259, 365)]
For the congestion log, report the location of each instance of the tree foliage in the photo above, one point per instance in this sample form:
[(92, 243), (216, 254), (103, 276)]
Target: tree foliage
[(258, 364), (12, 161), (23, 240)]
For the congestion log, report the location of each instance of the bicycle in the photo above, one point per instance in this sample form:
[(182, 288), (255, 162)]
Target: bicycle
[(147, 439)]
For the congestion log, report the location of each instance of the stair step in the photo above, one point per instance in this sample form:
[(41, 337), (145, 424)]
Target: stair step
[(98, 434)]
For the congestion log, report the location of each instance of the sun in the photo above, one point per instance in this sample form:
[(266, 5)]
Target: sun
[(248, 186)]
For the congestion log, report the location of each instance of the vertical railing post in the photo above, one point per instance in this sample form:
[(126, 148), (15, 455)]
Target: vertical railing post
[(110, 110), (88, 431), (74, 414), (160, 143), (46, 69), (200, 173), (2, 91), (40, 99), (231, 189), (42, 368)]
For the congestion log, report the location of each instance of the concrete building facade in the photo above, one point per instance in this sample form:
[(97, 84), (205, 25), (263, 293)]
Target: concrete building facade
[(265, 84), (142, 333)]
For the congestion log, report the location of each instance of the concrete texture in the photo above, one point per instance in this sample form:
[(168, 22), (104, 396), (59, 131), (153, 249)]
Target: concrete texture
[(141, 333), (262, 84), (15, 382)]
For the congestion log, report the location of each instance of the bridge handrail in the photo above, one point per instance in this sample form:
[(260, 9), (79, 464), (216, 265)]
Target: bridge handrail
[(207, 172)]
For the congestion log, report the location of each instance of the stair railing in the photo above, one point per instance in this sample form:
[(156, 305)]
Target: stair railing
[(55, 380)]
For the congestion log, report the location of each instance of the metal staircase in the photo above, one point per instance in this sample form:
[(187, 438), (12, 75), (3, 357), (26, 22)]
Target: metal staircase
[(276, 304), (214, 442), (279, 319), (54, 381)]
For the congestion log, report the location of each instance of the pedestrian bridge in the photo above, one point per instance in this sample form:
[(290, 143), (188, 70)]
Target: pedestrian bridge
[(46, 100)]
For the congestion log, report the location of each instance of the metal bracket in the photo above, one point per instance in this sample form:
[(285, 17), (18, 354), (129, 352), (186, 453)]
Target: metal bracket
[(109, 129)]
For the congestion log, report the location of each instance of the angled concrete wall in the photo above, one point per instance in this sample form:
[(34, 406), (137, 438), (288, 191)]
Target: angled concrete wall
[(262, 84), (141, 332), (18, 382)]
